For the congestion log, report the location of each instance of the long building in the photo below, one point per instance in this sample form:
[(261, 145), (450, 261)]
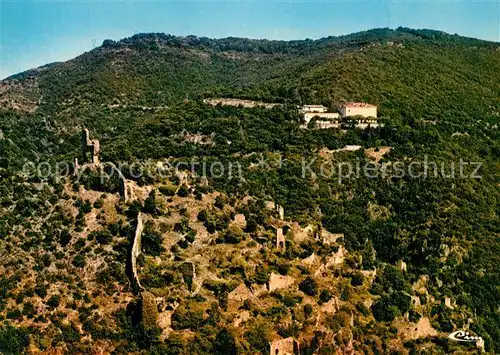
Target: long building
[(364, 115), (308, 116), (314, 108)]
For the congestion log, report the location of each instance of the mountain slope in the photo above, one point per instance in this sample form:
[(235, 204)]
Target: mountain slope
[(65, 243)]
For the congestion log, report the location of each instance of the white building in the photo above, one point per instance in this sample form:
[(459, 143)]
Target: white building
[(308, 116), (358, 109), (314, 108)]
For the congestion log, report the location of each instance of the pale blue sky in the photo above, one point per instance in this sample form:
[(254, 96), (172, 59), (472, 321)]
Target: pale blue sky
[(36, 32)]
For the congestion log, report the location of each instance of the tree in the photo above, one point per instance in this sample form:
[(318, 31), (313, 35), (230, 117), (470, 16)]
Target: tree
[(202, 215), (225, 343), (54, 301), (151, 244), (259, 336), (308, 286), (13, 340), (150, 203), (183, 191)]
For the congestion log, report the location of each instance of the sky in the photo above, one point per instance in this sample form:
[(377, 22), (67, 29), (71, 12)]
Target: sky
[(37, 32)]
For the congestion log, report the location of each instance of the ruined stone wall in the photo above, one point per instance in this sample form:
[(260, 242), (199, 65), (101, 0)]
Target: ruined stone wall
[(280, 239), (122, 188), (288, 346), (90, 145), (136, 250)]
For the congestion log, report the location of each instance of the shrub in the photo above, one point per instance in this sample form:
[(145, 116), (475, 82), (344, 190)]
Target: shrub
[(103, 236), (190, 237), (54, 301), (283, 267), (150, 203), (188, 317), (65, 238), (13, 340), (29, 309), (233, 235), (202, 215), (325, 295), (251, 225), (99, 203), (167, 190), (79, 260), (219, 202), (224, 343), (390, 306), (357, 279), (70, 333), (308, 286), (14, 314), (41, 290), (183, 191), (151, 244), (259, 336), (262, 274)]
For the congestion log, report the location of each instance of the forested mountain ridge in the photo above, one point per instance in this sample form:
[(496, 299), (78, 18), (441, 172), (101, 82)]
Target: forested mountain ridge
[(64, 244), (409, 74)]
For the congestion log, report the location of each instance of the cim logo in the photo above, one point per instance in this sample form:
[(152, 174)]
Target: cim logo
[(461, 335), (465, 337)]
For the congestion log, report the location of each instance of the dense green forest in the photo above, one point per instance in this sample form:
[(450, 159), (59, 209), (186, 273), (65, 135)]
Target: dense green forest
[(439, 99)]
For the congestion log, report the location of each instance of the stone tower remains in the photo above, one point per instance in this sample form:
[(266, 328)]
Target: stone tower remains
[(91, 146)]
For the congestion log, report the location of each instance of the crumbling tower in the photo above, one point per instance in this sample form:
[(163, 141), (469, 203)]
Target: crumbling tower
[(280, 236)]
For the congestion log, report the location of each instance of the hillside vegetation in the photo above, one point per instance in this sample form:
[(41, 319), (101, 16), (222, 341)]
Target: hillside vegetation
[(65, 243)]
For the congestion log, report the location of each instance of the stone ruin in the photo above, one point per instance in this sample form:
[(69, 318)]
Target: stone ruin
[(238, 296), (401, 265), (280, 239), (337, 258), (242, 317), (91, 146), (332, 306), (415, 301), (281, 211), (288, 346), (149, 310), (280, 230), (277, 282), (136, 251), (188, 272), (328, 238), (123, 188), (448, 303)]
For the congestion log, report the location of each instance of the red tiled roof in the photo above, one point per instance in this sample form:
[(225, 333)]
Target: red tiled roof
[(358, 104)]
